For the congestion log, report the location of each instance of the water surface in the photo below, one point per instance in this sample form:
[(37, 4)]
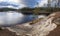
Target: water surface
[(12, 18)]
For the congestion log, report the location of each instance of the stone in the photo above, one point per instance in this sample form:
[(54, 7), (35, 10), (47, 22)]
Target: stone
[(41, 28)]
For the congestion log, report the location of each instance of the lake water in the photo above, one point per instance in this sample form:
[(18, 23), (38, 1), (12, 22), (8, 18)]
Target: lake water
[(12, 18)]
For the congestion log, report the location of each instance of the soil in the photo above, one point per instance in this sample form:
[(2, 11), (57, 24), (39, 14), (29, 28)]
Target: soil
[(55, 32), (6, 32)]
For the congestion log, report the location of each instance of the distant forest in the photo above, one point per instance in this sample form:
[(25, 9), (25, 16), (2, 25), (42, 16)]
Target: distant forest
[(50, 9), (7, 9), (27, 9)]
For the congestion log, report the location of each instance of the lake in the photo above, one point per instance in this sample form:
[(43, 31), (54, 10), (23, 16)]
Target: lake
[(12, 18)]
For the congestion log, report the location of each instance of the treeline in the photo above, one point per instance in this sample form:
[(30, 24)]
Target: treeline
[(46, 9), (51, 9), (7, 9), (27, 9)]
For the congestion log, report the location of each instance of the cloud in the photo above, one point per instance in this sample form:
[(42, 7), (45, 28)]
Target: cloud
[(28, 3), (22, 3), (43, 2), (16, 1), (10, 3), (25, 3)]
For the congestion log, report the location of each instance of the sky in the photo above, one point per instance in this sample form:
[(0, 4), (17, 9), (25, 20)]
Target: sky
[(22, 3)]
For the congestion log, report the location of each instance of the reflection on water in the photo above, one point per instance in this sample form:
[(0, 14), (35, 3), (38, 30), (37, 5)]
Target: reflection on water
[(10, 18)]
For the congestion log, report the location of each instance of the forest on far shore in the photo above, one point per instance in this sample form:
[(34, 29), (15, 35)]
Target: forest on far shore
[(27, 9)]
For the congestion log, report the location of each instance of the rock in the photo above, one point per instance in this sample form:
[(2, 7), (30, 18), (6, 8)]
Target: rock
[(56, 18), (41, 28)]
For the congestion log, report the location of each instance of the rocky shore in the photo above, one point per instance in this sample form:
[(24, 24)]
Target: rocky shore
[(49, 26)]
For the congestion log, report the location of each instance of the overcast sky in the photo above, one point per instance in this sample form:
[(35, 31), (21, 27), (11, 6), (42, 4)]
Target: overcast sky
[(25, 3)]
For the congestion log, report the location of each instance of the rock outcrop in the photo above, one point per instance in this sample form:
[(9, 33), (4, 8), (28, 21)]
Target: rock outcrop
[(41, 28)]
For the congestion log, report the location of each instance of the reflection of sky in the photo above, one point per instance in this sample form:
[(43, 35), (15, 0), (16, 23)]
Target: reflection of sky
[(25, 3), (10, 18)]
